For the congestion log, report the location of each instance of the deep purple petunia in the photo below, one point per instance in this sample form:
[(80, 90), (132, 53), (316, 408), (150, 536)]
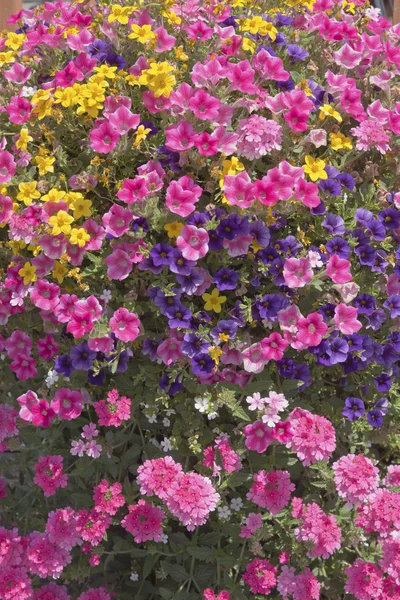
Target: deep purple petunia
[(226, 279), (202, 364), (82, 357), (354, 408), (375, 418)]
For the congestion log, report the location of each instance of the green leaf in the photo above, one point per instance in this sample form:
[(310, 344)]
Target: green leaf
[(176, 572), (149, 564), (201, 553)]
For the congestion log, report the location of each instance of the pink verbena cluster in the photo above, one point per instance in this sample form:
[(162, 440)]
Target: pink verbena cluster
[(380, 514), (49, 475), (260, 575), (108, 498), (189, 496), (304, 586), (113, 410), (257, 136), (144, 522), (355, 477), (229, 458), (313, 437), (316, 527), (271, 490)]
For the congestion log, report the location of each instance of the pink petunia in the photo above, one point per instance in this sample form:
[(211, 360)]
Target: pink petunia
[(193, 242), (346, 319), (338, 269), (297, 272), (311, 329), (104, 138), (125, 325)]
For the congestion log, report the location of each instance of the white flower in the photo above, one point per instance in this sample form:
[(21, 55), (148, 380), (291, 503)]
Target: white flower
[(164, 538), (255, 401), (224, 512), (152, 418), (236, 504), (166, 445), (267, 324), (166, 422), (28, 91), (270, 417), (212, 415), (315, 258), (170, 412), (201, 404), (134, 577), (52, 378), (373, 13), (216, 431), (106, 295)]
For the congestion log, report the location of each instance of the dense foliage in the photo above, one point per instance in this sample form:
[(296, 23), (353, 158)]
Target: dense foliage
[(200, 301)]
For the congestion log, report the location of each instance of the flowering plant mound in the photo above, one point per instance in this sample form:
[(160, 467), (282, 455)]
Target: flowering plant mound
[(200, 301)]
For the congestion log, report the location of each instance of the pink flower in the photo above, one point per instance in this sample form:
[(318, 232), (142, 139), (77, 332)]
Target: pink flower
[(92, 525), (355, 478), (80, 324), (119, 265), (19, 110), (182, 195), (274, 346), (122, 120), (380, 513), (392, 478), (180, 137), (52, 591), (193, 242), (42, 414), (125, 325), (117, 220), (108, 498), (311, 329), (320, 530), (67, 404), (364, 580), (95, 594), (258, 436), (15, 584), (265, 191), (204, 106), (156, 476), (338, 269), (133, 190), (258, 136), (346, 319), (49, 475), (241, 76), (230, 459), (191, 498), (104, 138), (238, 190), (114, 410), (254, 358), (260, 575), (207, 144), (6, 209), (313, 437), (297, 272), (18, 343), (307, 193), (7, 166), (61, 528), (271, 490), (24, 367), (144, 522), (297, 119), (47, 347), (26, 402), (45, 295), (18, 73), (8, 421)]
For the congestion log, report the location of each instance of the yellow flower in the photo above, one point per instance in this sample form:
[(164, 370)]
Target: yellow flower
[(213, 301), (258, 25), (59, 271), (28, 192), (120, 14), (6, 57), (67, 97), (79, 237), (314, 167), (28, 272), (45, 164), (248, 45), (173, 229), (40, 96), (141, 134), (159, 79), (215, 353), (106, 71), (43, 108), (81, 208), (142, 33), (61, 223), (53, 195), (328, 111), (15, 40), (23, 139), (230, 166), (340, 141), (172, 17), (348, 7)]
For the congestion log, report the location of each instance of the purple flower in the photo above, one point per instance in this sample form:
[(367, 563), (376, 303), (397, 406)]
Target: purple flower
[(366, 254), (164, 302), (375, 418), (330, 187), (63, 365), (140, 223), (382, 405), (365, 304), (296, 53), (285, 367), (393, 305), (327, 311), (383, 382), (334, 224), (269, 306), (179, 264), (189, 283), (354, 408), (338, 351), (170, 388), (192, 345), (226, 279), (82, 357), (178, 316), (98, 378), (148, 265), (363, 216), (260, 233), (161, 254), (376, 319), (202, 364), (224, 331), (233, 226), (390, 218), (346, 180), (338, 246), (149, 348)]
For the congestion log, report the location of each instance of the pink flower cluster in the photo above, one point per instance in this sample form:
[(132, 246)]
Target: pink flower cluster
[(313, 437), (144, 522), (113, 410), (316, 527), (271, 490), (230, 459), (189, 496), (260, 576), (355, 478)]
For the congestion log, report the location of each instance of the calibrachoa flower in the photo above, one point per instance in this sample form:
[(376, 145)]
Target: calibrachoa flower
[(144, 522)]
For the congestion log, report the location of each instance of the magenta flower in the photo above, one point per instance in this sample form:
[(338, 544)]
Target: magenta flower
[(258, 436), (104, 138), (297, 272), (67, 404), (193, 242), (7, 166), (125, 325)]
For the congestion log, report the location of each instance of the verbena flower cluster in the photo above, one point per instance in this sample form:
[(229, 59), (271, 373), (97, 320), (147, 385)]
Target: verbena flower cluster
[(200, 301)]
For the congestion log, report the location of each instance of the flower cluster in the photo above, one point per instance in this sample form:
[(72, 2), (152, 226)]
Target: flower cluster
[(199, 301)]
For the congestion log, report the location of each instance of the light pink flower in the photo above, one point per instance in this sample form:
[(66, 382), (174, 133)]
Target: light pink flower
[(193, 242), (125, 325)]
